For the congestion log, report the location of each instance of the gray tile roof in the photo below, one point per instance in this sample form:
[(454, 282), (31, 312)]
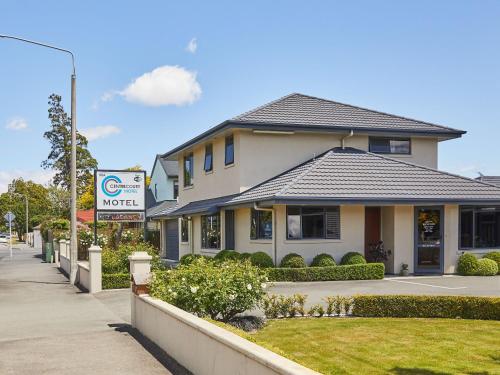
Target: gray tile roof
[(299, 110), (494, 180), (171, 167), (161, 209), (206, 206), (360, 176)]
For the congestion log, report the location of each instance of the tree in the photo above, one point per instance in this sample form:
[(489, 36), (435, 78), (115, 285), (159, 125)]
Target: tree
[(59, 158), (59, 202), (14, 200)]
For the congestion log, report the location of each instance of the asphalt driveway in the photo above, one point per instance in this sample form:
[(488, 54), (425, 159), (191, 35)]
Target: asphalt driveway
[(424, 285)]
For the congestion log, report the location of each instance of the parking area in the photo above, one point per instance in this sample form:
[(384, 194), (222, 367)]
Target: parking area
[(423, 285)]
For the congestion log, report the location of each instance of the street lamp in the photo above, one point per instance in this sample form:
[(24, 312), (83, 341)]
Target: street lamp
[(74, 239)]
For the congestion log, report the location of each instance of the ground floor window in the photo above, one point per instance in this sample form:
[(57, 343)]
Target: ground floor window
[(210, 231), (479, 227), (184, 230), (313, 222), (261, 225)]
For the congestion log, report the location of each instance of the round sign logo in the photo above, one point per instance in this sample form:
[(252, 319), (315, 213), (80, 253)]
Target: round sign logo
[(110, 186)]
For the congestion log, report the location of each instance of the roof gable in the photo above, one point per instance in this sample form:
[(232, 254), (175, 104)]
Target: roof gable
[(303, 110)]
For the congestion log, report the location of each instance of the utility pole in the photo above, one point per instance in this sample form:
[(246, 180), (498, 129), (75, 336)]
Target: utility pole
[(74, 239)]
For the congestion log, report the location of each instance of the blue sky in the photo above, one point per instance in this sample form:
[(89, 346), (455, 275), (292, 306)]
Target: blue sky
[(436, 61)]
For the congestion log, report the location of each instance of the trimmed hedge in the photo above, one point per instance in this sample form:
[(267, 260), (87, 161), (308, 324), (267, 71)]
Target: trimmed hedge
[(406, 306), (323, 260), (115, 280), (293, 260), (487, 267), (352, 258), (494, 255), (370, 271)]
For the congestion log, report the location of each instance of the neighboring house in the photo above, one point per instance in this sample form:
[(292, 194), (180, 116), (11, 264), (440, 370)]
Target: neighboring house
[(161, 195), (495, 180), (85, 216), (308, 175)]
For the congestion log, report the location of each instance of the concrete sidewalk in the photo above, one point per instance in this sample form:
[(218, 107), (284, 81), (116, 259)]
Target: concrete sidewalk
[(48, 326)]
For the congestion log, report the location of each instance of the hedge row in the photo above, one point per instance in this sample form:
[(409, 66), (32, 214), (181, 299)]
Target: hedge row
[(405, 306), (370, 271), (115, 280)]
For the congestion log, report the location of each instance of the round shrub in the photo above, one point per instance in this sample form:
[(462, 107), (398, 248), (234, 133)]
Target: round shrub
[(495, 255), (224, 255), (261, 259), (323, 260), (206, 289), (467, 265), (487, 267), (189, 258), (245, 256), (293, 260), (352, 258)]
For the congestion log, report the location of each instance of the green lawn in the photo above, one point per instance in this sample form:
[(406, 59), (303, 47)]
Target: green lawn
[(387, 345)]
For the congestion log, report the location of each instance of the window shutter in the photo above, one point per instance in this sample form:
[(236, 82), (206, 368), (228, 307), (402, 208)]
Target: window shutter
[(333, 223)]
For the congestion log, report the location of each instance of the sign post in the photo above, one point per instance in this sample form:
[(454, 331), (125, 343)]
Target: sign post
[(119, 196), (9, 217)]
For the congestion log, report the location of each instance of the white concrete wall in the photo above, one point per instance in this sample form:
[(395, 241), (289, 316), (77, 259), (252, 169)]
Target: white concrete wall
[(202, 347), (83, 275), (64, 264)]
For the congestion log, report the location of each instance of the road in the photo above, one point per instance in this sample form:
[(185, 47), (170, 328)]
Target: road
[(48, 326)]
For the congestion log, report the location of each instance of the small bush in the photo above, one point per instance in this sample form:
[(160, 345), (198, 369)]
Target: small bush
[(370, 271), (189, 258), (452, 307), (494, 255), (352, 258), (217, 290), (261, 259), (224, 255), (284, 306), (245, 256), (115, 280), (323, 260), (293, 260), (487, 267), (468, 265)]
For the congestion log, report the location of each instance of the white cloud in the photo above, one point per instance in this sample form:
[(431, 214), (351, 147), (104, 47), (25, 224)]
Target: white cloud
[(39, 176), (16, 123), (192, 46), (99, 132), (165, 85)]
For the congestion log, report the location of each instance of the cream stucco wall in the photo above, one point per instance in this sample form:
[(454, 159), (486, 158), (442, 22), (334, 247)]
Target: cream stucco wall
[(259, 157), (387, 219), (403, 237), (451, 233)]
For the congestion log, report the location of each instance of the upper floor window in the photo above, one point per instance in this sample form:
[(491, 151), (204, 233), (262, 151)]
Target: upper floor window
[(184, 230), (209, 160), (380, 145), (176, 189), (479, 227), (229, 156), (156, 191), (261, 225), (188, 170), (210, 231), (313, 222)]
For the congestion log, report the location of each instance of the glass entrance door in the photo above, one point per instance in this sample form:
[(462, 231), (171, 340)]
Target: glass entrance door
[(429, 240)]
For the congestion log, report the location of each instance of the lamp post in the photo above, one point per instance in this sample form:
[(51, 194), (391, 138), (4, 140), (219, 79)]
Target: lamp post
[(74, 239)]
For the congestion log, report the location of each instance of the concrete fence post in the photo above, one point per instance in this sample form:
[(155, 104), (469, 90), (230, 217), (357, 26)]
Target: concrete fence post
[(95, 269), (140, 271), (57, 251)]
